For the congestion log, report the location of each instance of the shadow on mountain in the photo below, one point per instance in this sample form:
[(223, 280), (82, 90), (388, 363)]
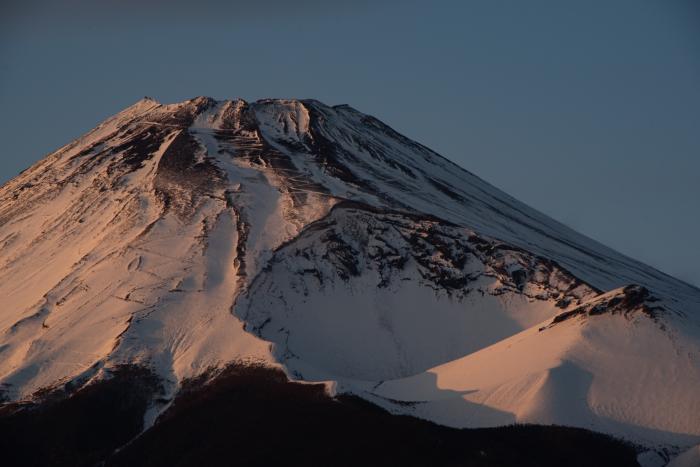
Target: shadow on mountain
[(253, 416), (79, 429), (423, 397), (563, 398)]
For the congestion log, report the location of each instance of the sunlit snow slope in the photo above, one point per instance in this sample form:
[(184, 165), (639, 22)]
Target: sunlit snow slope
[(187, 236)]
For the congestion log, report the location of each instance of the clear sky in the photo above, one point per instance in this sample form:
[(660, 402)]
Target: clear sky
[(586, 110)]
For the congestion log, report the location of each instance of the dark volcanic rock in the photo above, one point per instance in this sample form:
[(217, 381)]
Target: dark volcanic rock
[(79, 428), (253, 416), (629, 300)]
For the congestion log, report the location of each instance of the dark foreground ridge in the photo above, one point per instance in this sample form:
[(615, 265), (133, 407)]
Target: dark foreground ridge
[(253, 416)]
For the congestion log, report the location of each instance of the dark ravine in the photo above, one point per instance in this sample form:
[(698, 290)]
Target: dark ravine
[(253, 416)]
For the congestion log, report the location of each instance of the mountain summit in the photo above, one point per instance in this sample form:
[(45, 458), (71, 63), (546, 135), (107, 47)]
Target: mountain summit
[(180, 239)]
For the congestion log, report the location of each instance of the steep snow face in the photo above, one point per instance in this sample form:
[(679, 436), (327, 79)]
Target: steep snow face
[(361, 158), (131, 244), (122, 247), (379, 295), (186, 236)]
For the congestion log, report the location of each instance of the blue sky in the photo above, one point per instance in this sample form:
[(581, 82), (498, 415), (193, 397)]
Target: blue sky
[(586, 110)]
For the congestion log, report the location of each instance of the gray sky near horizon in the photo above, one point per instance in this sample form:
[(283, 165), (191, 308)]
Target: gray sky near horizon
[(587, 110)]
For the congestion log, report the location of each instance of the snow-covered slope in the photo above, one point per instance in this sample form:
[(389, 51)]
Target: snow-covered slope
[(376, 295), (609, 365), (187, 236)]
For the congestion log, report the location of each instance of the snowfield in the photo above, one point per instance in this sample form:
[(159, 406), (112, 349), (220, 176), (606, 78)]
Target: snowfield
[(316, 239)]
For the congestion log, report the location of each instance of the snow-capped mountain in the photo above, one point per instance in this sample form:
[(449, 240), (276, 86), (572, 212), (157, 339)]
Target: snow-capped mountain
[(316, 239)]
